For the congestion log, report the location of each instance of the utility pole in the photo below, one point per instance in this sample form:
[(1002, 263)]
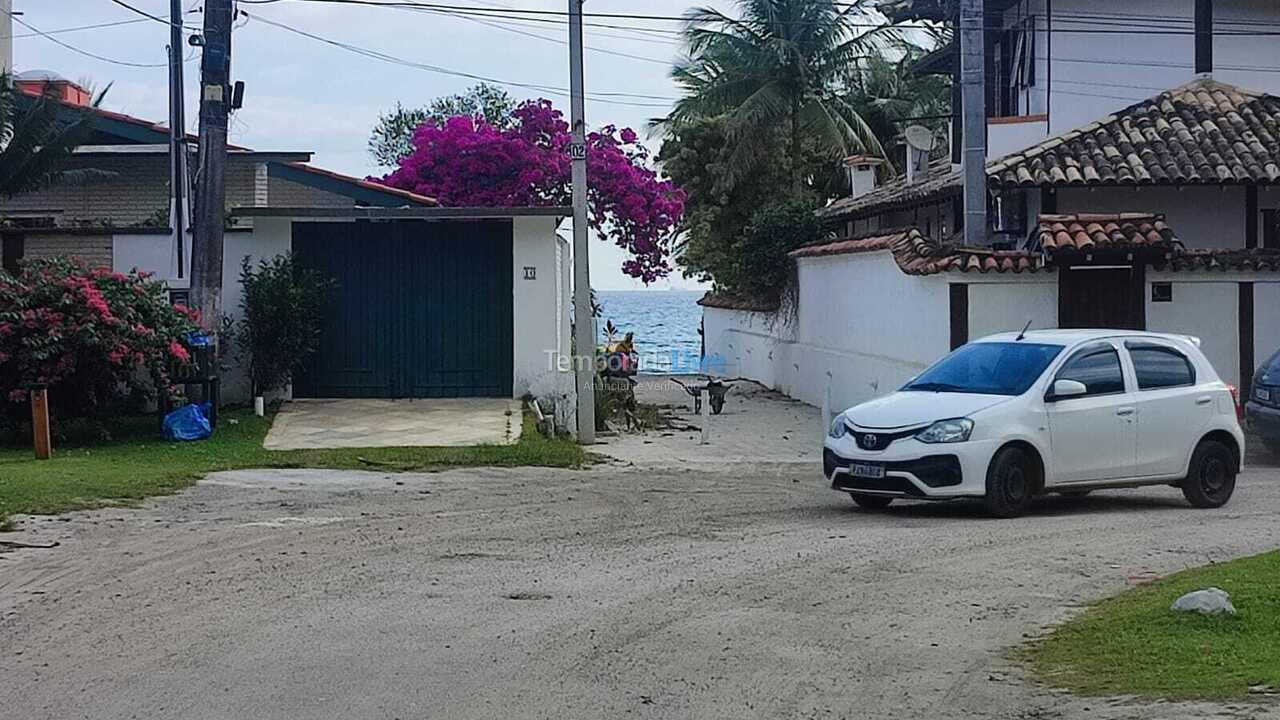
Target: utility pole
[(584, 326), (177, 135), (211, 191), (973, 80)]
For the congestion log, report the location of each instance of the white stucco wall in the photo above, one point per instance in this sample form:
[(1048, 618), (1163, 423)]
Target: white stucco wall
[(1266, 320), (1201, 217), (861, 328), (1007, 304), (1085, 83), (1207, 309), (156, 254), (541, 310)]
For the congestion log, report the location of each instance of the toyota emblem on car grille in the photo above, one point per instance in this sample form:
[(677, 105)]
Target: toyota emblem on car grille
[(869, 441)]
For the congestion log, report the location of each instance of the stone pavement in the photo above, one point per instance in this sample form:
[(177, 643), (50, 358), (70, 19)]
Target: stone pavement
[(319, 424), (757, 425)]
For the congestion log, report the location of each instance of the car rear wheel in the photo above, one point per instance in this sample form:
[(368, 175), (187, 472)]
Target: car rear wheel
[(871, 502), (1010, 483), (1211, 477)]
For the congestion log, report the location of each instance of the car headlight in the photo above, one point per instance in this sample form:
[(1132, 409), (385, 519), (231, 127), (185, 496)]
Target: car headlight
[(947, 431), (838, 427)]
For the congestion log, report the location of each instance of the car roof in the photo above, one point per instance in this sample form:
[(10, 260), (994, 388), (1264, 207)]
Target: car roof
[(1070, 337)]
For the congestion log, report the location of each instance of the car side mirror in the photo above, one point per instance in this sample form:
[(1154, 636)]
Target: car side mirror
[(1063, 389)]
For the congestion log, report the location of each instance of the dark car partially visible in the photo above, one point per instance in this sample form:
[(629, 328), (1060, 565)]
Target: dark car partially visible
[(1263, 408)]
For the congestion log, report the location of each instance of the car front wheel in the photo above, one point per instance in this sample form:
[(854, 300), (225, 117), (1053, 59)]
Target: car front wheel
[(871, 502), (1211, 477), (1010, 483)]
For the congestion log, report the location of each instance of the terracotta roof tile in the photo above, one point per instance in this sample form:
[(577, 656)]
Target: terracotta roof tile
[(1238, 260), (1205, 132), (1086, 231), (918, 255)]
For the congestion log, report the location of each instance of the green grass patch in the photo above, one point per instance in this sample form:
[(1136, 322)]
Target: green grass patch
[(1133, 644), (138, 464)]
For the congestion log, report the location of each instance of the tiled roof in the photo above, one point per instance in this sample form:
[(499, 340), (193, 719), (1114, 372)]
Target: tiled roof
[(1238, 260), (917, 255), (366, 184), (1204, 132), (1089, 231), (940, 182)]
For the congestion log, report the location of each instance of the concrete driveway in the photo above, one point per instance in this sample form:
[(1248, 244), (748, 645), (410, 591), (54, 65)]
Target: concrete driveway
[(609, 593), (321, 424)]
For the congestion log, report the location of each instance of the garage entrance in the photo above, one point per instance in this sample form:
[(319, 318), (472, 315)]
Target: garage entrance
[(423, 309)]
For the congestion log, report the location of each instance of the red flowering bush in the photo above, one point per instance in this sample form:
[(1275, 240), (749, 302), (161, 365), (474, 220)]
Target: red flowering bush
[(93, 337), (468, 162)]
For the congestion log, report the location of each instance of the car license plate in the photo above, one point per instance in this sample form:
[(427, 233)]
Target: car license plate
[(863, 470), (1263, 394)]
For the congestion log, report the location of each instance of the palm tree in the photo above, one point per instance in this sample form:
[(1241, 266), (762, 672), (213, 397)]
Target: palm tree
[(38, 134), (775, 73)]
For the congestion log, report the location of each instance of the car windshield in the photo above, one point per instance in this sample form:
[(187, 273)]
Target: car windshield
[(987, 368), (1273, 365)]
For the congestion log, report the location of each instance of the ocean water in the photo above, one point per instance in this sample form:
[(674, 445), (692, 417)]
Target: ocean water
[(665, 324)]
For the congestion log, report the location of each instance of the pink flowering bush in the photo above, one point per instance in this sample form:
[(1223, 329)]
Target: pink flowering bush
[(468, 162), (95, 338)]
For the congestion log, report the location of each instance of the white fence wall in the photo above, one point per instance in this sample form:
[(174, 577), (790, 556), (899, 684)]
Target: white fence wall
[(861, 327)]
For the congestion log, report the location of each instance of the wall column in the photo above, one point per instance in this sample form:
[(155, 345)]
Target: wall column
[(959, 314), (1246, 326)]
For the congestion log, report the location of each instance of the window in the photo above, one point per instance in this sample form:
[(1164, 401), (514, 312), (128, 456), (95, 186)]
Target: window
[(1158, 366), (988, 368), (1098, 368)]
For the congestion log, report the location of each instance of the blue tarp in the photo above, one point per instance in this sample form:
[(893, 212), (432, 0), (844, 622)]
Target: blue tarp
[(189, 422)]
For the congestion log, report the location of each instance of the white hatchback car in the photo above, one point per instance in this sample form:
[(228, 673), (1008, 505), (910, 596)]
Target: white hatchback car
[(1013, 416)]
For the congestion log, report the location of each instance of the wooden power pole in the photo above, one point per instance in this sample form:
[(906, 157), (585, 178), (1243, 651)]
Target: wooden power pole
[(211, 192)]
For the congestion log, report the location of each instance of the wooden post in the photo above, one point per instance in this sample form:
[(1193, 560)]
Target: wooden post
[(40, 423), (705, 398)]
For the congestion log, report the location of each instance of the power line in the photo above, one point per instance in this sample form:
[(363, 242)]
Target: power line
[(78, 28), (75, 49), (392, 59), (504, 12)]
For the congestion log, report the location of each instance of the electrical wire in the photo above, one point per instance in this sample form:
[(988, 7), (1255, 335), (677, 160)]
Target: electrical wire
[(78, 28), (86, 53), (392, 59)]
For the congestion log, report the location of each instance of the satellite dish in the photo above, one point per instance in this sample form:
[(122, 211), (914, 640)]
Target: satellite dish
[(920, 138)]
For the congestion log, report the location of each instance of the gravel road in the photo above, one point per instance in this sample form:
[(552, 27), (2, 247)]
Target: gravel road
[(607, 593)]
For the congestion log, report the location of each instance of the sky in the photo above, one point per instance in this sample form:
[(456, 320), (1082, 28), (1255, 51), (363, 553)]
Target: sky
[(306, 95)]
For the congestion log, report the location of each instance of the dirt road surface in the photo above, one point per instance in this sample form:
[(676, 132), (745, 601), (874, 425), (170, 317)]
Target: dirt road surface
[(752, 592)]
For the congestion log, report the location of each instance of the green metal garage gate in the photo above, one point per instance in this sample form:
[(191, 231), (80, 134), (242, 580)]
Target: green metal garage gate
[(423, 309)]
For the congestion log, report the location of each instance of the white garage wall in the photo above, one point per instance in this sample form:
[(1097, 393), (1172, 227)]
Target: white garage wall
[(1009, 304), (541, 305)]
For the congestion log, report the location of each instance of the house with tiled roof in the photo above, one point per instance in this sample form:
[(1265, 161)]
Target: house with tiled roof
[(1133, 180), (432, 301)]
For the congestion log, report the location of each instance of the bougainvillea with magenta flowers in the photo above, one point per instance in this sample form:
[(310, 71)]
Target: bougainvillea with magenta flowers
[(93, 337), (468, 162)]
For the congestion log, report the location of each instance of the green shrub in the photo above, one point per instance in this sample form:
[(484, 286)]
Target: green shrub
[(283, 309), (99, 340)]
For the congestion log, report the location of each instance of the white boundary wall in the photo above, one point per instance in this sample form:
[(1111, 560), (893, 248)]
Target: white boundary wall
[(863, 327)]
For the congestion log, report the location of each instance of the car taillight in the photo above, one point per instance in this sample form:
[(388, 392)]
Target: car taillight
[(1235, 398)]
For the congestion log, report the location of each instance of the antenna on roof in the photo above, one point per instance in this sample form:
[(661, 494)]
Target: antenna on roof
[(1023, 334)]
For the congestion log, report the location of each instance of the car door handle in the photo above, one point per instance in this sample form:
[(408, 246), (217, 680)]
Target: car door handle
[(1204, 400), (1127, 412)]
